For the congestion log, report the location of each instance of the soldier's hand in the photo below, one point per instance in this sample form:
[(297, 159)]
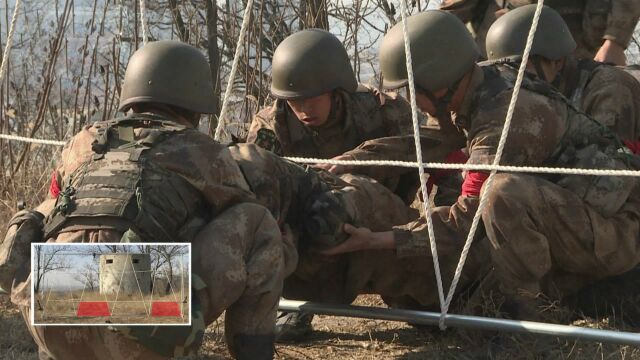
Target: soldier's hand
[(362, 238), (611, 52)]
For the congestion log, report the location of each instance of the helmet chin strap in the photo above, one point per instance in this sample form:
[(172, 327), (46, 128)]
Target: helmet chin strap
[(441, 103), (539, 70)]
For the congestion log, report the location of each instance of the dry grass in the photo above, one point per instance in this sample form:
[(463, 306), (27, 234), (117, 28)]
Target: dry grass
[(359, 339), (15, 340), (59, 308)]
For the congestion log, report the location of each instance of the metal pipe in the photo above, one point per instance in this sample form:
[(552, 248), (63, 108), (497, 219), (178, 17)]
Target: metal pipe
[(463, 321)]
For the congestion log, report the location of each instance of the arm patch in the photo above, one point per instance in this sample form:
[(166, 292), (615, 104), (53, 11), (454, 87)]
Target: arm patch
[(268, 140)]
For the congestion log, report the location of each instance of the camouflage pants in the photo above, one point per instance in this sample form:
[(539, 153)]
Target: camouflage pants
[(407, 281), (545, 238), (242, 259), (322, 278)]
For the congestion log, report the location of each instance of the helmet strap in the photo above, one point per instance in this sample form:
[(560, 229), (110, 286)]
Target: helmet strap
[(537, 62), (559, 79)]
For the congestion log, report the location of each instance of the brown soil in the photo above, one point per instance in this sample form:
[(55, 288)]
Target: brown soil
[(343, 338)]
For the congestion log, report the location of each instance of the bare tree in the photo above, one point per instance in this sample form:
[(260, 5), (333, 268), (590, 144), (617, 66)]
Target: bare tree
[(48, 258), (165, 256), (89, 275)]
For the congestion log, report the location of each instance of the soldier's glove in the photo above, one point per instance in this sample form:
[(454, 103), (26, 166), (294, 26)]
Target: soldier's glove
[(24, 228), (324, 219)]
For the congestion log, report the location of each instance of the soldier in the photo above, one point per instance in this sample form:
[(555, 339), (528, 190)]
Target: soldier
[(602, 28), (152, 176), (570, 230), (320, 110), (606, 93)]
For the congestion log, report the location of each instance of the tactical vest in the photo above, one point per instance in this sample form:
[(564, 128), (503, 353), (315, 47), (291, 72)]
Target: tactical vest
[(121, 188), (585, 144)]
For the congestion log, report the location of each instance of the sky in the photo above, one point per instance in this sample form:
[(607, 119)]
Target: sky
[(65, 279)]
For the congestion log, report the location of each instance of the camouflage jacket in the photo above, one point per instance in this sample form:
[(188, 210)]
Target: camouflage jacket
[(354, 118), (545, 131), (439, 139), (185, 176), (590, 21), (606, 93), (293, 193)]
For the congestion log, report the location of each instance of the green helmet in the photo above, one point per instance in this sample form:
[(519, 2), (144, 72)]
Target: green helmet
[(442, 51), (507, 36), (309, 63), (168, 72)]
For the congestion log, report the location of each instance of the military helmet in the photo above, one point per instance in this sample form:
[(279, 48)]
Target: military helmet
[(168, 72), (507, 36), (442, 51), (309, 63)]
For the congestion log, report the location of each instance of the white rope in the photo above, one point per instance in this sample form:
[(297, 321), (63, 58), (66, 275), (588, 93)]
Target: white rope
[(410, 164), (31, 140), (496, 161), (7, 47), (140, 289), (234, 69), (421, 172), (143, 22)]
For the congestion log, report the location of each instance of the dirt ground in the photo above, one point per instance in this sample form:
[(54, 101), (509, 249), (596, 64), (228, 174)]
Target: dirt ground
[(343, 338)]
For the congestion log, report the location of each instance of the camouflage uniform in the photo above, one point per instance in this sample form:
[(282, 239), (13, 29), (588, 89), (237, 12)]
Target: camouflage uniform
[(440, 139), (282, 187), (355, 117), (289, 190), (247, 261), (572, 229), (590, 21), (606, 93)]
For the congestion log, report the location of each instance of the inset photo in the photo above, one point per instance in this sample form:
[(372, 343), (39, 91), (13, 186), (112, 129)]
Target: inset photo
[(111, 284)]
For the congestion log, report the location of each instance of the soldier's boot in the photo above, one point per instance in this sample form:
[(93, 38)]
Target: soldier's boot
[(253, 347), (293, 326), (536, 307)]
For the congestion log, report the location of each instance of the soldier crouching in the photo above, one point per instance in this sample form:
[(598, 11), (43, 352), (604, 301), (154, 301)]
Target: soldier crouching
[(153, 177)]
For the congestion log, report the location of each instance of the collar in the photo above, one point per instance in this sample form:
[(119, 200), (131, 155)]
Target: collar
[(461, 116), (569, 77)]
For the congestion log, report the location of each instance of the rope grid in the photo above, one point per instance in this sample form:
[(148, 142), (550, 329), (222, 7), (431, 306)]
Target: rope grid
[(496, 161), (234, 69), (418, 145), (143, 22), (419, 164), (7, 47)]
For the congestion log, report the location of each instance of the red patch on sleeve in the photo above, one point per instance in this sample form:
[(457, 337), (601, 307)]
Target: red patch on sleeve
[(54, 187), (473, 183), (634, 146)]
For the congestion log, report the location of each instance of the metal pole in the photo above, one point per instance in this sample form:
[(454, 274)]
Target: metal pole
[(464, 321)]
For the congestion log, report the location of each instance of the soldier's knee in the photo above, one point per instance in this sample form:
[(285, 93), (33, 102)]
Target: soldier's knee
[(509, 188), (508, 195)]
